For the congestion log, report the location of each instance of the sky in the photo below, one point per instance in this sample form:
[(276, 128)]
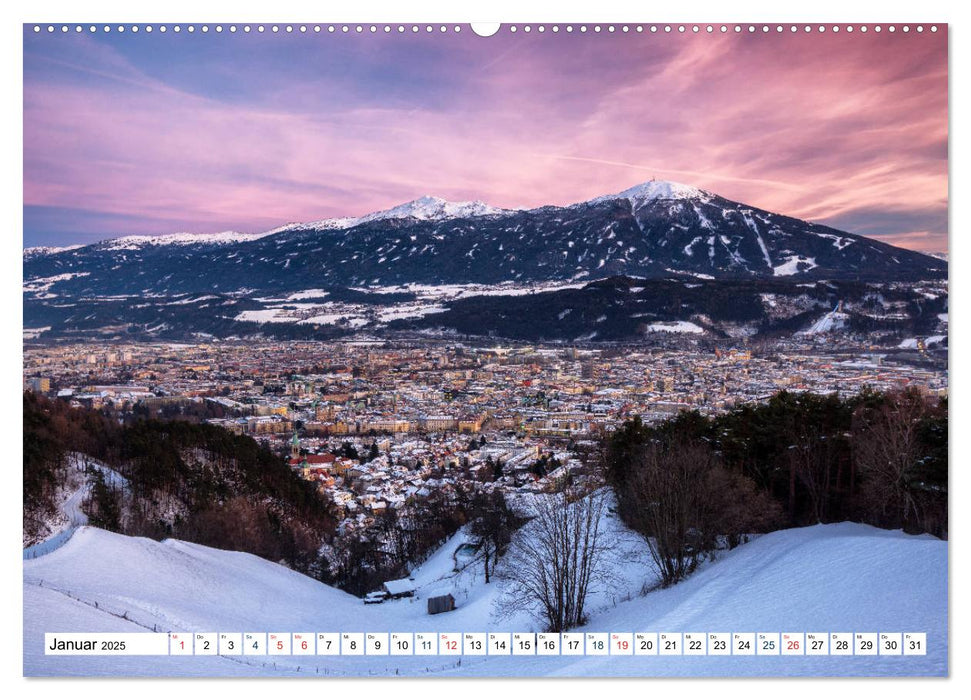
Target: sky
[(150, 133)]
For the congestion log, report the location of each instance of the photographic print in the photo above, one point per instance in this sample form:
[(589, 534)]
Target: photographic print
[(440, 350)]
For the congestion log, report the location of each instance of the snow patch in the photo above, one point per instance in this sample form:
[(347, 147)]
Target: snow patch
[(791, 266), (750, 222), (675, 327), (839, 242), (34, 333), (39, 285)]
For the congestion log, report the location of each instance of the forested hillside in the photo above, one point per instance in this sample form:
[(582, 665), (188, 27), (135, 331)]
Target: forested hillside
[(191, 481)]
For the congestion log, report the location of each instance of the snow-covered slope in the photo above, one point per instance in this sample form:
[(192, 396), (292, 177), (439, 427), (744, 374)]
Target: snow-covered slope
[(829, 322), (830, 578), (844, 577)]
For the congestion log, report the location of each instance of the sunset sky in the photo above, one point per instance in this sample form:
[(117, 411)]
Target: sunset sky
[(155, 133)]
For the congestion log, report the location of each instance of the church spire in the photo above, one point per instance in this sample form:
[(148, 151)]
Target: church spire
[(295, 446)]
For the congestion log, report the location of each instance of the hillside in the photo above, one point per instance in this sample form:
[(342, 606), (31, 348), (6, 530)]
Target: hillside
[(666, 311), (613, 309), (843, 577), (191, 480)]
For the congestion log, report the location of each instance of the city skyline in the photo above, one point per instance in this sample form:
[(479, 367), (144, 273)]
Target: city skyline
[(121, 137)]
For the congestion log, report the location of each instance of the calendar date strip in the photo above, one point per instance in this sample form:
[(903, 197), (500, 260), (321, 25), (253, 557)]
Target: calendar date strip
[(487, 644)]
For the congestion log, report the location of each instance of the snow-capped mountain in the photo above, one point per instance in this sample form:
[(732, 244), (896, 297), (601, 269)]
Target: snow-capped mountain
[(425, 208), (653, 231)]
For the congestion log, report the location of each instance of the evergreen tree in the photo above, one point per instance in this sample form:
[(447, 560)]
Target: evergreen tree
[(104, 509)]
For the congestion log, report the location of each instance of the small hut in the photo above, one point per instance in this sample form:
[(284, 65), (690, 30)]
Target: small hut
[(400, 588), (440, 604)]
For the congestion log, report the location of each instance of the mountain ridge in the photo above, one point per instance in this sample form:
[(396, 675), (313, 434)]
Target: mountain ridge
[(427, 208), (653, 231), (650, 230)]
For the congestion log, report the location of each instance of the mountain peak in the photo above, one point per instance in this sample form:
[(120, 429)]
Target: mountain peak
[(654, 190), (430, 208)]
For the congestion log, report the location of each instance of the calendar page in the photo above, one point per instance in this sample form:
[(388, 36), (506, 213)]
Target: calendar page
[(431, 350)]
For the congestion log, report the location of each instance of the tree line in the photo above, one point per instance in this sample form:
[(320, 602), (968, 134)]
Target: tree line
[(695, 483), (195, 482)]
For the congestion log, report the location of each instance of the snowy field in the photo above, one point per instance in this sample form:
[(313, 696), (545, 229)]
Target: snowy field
[(844, 577)]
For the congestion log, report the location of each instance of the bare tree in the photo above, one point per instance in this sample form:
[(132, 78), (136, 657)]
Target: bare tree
[(887, 452), (665, 501), (812, 459), (556, 559), (683, 500)]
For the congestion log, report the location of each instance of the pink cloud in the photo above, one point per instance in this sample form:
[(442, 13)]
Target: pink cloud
[(812, 126)]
